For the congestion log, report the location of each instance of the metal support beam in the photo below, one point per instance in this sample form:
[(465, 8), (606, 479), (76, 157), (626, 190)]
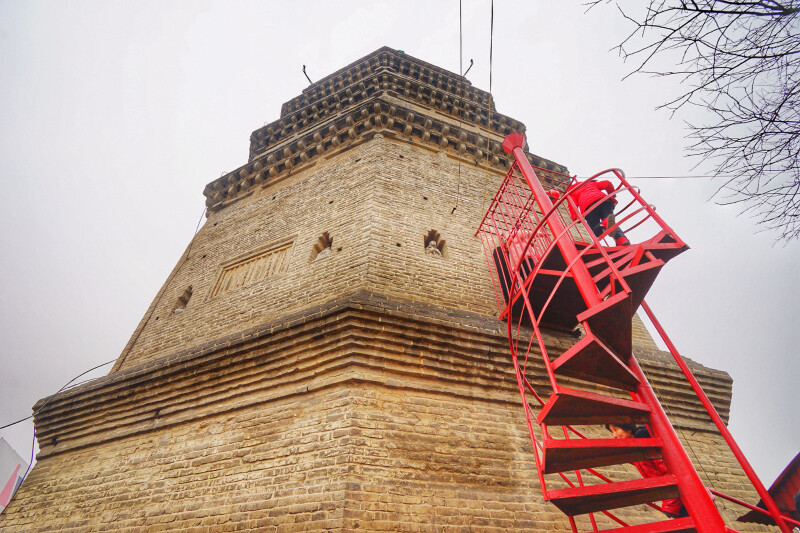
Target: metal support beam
[(723, 429)]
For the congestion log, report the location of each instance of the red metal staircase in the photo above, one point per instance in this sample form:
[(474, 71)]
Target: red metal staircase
[(553, 273)]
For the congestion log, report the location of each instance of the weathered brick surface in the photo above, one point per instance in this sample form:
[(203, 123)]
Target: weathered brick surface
[(335, 196), (377, 193), (377, 202), (363, 332), (641, 337), (365, 414), (278, 468), (367, 390)]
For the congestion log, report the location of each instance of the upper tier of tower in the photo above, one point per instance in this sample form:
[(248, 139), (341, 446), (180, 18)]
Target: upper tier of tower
[(386, 91)]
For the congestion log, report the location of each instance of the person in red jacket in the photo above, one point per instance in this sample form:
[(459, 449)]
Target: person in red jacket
[(593, 199), (672, 507)]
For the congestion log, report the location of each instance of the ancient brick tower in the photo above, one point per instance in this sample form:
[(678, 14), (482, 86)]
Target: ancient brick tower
[(325, 356)]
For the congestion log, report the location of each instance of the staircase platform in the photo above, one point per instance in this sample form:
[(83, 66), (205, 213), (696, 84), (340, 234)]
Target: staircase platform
[(565, 304), (639, 279), (593, 498), (561, 455), (576, 407)]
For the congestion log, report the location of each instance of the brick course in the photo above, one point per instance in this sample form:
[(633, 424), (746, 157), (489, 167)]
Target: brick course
[(366, 413)]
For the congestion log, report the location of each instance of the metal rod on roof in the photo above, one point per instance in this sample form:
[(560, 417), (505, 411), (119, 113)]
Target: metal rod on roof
[(471, 62)]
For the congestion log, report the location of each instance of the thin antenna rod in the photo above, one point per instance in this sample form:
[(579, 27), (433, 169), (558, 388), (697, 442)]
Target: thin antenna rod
[(471, 62), (306, 75)]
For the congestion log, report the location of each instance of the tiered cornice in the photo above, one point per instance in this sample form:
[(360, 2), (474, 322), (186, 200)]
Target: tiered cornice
[(392, 61), (386, 92)]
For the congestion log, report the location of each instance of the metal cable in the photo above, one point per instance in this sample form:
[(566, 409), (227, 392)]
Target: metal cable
[(489, 110), (460, 98), (161, 294)]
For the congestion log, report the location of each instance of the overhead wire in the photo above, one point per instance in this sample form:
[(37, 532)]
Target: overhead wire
[(489, 109), (33, 440), (460, 99), (120, 359), (16, 422)]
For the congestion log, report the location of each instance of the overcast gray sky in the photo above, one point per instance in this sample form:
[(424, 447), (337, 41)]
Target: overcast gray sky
[(114, 115)]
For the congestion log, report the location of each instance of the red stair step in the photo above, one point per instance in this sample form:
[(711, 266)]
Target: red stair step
[(639, 279), (593, 257), (597, 263), (564, 306), (575, 407), (610, 320), (678, 525), (664, 246), (592, 498), (631, 256), (591, 360), (561, 455), (561, 314)]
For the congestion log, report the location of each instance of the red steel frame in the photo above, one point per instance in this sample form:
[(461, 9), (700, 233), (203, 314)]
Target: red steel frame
[(521, 204)]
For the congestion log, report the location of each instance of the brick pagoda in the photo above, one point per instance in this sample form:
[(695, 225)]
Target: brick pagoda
[(326, 354)]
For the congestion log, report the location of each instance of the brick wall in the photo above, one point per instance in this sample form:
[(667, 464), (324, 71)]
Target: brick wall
[(334, 196), (366, 413), (377, 202), (368, 199), (261, 469)]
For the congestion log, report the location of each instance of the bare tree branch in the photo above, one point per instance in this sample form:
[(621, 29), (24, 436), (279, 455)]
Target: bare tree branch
[(740, 61)]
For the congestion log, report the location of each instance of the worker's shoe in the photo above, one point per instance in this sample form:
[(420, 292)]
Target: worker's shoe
[(623, 241)]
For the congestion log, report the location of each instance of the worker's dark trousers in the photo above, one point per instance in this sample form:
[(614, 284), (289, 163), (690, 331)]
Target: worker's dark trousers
[(599, 212)]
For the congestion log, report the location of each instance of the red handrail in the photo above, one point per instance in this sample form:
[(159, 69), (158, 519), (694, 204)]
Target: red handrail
[(774, 512), (752, 507)]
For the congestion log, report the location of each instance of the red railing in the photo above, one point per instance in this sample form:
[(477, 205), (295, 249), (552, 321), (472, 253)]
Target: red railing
[(772, 508)]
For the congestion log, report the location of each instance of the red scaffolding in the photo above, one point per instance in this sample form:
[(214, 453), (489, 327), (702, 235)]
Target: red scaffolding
[(552, 272)]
